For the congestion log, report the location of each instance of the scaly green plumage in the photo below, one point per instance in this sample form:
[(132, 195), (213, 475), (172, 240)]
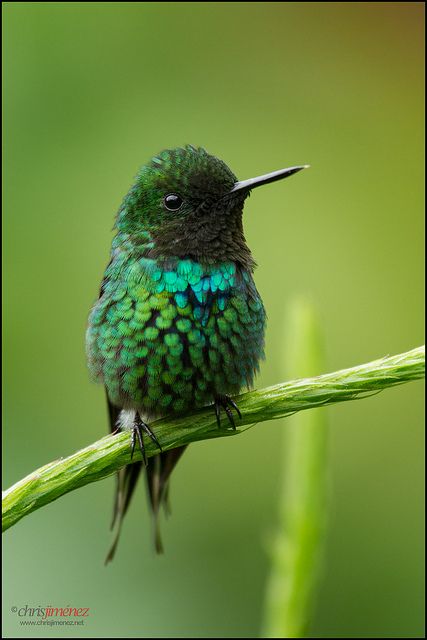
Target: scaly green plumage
[(175, 338)]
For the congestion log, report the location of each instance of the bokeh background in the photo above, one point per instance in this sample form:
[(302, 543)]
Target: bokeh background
[(91, 91)]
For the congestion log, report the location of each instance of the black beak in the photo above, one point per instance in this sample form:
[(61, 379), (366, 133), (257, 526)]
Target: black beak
[(268, 177)]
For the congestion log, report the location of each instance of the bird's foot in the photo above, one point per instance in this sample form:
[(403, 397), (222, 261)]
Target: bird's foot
[(226, 403), (138, 428)]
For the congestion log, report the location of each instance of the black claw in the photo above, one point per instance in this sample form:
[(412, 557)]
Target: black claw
[(148, 431), (133, 441), (230, 417), (217, 414), (139, 426), (234, 405), (224, 402)]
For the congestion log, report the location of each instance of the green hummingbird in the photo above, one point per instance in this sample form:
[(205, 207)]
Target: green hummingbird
[(179, 323)]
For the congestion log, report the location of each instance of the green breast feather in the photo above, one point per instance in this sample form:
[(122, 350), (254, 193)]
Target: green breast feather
[(170, 338)]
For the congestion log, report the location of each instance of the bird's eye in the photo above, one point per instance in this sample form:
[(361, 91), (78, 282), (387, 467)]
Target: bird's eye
[(173, 202)]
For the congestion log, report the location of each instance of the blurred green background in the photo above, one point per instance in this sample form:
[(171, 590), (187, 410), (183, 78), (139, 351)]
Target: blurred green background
[(91, 91)]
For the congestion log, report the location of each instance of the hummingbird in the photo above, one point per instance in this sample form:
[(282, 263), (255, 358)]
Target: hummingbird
[(179, 323)]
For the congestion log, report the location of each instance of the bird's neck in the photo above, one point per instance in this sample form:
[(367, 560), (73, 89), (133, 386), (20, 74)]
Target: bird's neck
[(178, 276), (131, 251)]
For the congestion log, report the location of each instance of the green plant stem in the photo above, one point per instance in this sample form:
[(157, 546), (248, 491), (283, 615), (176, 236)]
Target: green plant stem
[(104, 457), (296, 549)]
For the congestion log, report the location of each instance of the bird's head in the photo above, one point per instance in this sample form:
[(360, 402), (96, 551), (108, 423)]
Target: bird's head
[(188, 203)]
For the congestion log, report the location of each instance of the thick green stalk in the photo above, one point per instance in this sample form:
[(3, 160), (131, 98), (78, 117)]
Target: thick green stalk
[(298, 542), (104, 457)]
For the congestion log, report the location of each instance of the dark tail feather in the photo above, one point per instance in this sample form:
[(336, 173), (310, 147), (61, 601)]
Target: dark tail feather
[(158, 473), (113, 416), (126, 483)]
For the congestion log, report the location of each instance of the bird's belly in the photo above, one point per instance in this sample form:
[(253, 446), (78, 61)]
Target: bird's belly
[(158, 357)]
